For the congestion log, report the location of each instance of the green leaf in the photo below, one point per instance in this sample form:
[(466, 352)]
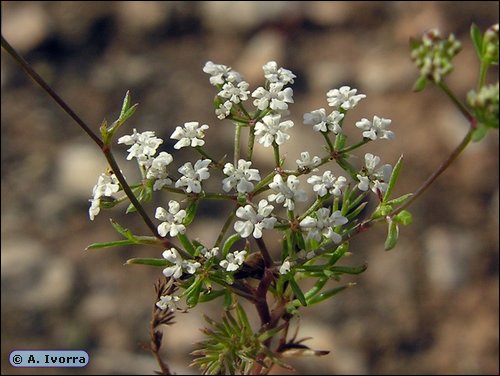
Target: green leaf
[(328, 294), (120, 243), (190, 212), (392, 235), (229, 243), (209, 296), (394, 178), (297, 291), (349, 269), (147, 261), (193, 293), (404, 217), (420, 84), (339, 252), (477, 40), (127, 111), (186, 243), (125, 232), (116, 243), (399, 200), (480, 132), (242, 316), (381, 211), (126, 103)]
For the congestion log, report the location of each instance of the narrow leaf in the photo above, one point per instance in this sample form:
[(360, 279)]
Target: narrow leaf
[(229, 243), (125, 104), (328, 294), (298, 292), (190, 212), (399, 200), (477, 40), (392, 235), (147, 261), (186, 243), (394, 177), (125, 232)]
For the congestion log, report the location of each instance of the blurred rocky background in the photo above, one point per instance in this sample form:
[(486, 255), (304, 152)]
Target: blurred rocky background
[(428, 307)]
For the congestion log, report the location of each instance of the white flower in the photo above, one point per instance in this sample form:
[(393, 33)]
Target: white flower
[(235, 94), (193, 176), (276, 97), (287, 192), (168, 302), (190, 135), (376, 179), (376, 129), (143, 147), (305, 162), (208, 254), (190, 266), (106, 186), (172, 220), (220, 73), (175, 258), (322, 225), (323, 123), (175, 271), (327, 183), (285, 267), (254, 222), (224, 110), (94, 208), (158, 170), (240, 177), (233, 261), (344, 98), (271, 129), (274, 74)]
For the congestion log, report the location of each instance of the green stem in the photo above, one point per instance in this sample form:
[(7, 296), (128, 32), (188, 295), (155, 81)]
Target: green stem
[(203, 153), (276, 150), (482, 75), (237, 138), (251, 142), (355, 146), (263, 183), (457, 103), (328, 141), (225, 227)]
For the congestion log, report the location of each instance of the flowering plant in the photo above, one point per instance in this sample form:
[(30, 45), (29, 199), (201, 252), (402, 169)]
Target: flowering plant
[(313, 211)]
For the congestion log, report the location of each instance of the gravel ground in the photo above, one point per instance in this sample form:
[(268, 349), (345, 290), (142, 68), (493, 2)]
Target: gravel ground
[(428, 307)]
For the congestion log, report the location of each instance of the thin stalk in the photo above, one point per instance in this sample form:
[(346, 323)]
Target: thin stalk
[(104, 148), (276, 150), (459, 149), (328, 141), (225, 227), (457, 103), (40, 81), (355, 146), (237, 138)]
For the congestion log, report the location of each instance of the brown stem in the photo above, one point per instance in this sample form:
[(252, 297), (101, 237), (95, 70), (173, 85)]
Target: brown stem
[(104, 148), (436, 173)]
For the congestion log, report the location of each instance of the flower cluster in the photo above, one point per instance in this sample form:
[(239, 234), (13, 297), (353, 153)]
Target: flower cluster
[(266, 200), (433, 54)]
